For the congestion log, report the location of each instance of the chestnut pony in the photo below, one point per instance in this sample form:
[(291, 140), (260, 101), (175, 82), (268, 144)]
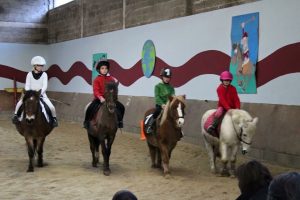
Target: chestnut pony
[(167, 132)]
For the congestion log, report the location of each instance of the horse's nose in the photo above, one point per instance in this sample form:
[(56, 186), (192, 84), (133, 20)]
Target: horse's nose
[(244, 152), (180, 122)]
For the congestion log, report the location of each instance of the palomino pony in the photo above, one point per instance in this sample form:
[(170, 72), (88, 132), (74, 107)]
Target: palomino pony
[(166, 133), (237, 129), (103, 127), (244, 69), (34, 127)]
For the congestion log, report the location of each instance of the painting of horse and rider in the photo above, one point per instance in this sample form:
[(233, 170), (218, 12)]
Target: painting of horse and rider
[(244, 52)]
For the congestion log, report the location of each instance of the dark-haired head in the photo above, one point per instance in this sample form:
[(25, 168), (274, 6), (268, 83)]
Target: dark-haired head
[(124, 195), (252, 176), (285, 187)]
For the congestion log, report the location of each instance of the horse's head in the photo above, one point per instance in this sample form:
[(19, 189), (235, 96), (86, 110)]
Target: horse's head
[(31, 105), (247, 129), (111, 96), (175, 107)]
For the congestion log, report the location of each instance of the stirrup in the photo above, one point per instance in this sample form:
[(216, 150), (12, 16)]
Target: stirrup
[(15, 119), (54, 123), (149, 129), (211, 129)]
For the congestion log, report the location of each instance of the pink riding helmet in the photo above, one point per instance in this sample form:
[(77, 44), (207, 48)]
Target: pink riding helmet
[(226, 75)]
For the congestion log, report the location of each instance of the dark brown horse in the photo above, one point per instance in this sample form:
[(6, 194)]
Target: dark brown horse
[(167, 132), (34, 127), (103, 127)]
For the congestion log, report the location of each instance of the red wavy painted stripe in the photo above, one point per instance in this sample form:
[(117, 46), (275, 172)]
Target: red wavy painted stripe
[(12, 73), (202, 63), (77, 69), (281, 62)]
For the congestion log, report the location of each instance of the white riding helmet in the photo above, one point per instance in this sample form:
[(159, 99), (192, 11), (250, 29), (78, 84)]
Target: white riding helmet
[(38, 60)]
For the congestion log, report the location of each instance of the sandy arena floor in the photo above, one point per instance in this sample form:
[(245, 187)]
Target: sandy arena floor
[(68, 173)]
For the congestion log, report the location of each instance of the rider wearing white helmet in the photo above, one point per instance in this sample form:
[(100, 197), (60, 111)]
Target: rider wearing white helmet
[(37, 80)]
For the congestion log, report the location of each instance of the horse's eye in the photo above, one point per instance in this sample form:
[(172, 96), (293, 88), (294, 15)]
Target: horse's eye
[(245, 135)]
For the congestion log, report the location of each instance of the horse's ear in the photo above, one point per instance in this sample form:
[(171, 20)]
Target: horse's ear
[(170, 98), (255, 120)]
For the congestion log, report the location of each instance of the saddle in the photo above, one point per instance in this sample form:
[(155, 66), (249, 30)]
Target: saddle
[(149, 118)]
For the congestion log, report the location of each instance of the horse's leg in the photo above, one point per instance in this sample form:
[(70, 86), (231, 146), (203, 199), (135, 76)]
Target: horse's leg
[(212, 157), (95, 156), (165, 158), (233, 160), (39, 149), (106, 151), (152, 151), (224, 159), (158, 157), (30, 149)]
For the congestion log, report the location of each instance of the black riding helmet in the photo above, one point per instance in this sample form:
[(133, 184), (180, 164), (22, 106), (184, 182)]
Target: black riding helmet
[(102, 62), (166, 72)]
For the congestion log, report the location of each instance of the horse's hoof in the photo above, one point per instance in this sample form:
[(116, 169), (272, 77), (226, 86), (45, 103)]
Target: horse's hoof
[(30, 170), (94, 164), (168, 176), (40, 165), (106, 172)]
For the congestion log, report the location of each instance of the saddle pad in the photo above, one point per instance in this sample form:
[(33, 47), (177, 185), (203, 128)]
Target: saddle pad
[(209, 121), (147, 119)]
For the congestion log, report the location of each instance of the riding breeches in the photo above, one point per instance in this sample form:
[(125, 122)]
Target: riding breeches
[(19, 104), (50, 105), (157, 111)]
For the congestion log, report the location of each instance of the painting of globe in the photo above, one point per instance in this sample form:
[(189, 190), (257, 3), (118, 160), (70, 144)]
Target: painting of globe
[(148, 58)]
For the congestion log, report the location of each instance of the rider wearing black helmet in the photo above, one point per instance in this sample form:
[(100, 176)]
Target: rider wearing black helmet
[(162, 91)]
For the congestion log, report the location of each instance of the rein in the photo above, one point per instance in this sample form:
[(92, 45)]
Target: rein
[(239, 135)]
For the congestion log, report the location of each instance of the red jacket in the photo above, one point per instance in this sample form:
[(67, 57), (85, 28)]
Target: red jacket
[(99, 85), (228, 97)]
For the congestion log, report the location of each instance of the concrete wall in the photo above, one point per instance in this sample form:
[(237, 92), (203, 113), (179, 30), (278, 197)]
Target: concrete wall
[(24, 21), (82, 18)]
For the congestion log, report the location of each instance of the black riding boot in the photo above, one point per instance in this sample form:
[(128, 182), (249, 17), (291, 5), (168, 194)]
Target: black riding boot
[(213, 127)]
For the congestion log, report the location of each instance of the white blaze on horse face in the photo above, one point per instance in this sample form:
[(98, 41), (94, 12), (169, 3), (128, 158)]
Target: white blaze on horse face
[(180, 120), (32, 117)]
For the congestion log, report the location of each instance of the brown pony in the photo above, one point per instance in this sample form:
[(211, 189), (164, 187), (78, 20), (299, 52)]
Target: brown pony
[(167, 132), (103, 127), (34, 127)]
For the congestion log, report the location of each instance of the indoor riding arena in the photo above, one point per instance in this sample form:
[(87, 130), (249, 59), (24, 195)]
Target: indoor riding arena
[(256, 41)]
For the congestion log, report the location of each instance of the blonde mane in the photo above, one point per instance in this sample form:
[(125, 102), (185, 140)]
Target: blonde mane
[(168, 106)]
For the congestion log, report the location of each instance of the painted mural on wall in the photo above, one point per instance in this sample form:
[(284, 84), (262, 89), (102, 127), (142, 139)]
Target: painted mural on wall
[(148, 58), (244, 53), (96, 58), (286, 56)]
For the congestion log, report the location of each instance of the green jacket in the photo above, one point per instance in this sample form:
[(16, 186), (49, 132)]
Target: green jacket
[(162, 92)]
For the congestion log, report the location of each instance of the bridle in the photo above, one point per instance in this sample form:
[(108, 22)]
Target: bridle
[(239, 134)]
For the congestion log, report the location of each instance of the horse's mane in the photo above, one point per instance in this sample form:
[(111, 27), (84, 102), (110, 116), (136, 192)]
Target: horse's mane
[(28, 94), (169, 105), (111, 86)]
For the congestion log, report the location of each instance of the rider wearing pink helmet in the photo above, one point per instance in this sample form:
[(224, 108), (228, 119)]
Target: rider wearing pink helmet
[(228, 99)]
